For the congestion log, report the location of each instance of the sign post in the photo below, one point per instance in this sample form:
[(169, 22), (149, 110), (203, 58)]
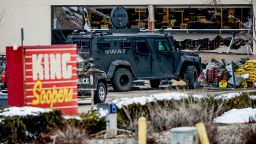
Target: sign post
[(43, 76)]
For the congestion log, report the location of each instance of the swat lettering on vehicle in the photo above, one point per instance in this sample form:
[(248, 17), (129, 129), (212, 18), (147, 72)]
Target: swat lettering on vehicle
[(115, 51)]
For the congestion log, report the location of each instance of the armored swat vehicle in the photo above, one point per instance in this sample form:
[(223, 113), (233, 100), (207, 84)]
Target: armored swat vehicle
[(127, 54)]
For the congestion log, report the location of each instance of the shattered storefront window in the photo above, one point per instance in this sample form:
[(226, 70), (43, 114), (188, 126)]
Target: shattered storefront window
[(67, 18), (202, 18)]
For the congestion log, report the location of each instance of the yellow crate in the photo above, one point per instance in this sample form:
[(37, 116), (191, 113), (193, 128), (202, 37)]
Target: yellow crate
[(223, 84), (244, 84)]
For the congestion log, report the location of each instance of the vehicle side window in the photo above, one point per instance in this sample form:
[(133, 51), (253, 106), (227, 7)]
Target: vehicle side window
[(142, 47), (163, 46)]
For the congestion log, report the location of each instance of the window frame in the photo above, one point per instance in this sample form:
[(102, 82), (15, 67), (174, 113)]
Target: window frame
[(126, 47), (139, 52), (102, 45), (170, 44)]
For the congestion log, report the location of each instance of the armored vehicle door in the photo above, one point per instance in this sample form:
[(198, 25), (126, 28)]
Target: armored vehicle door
[(142, 58), (163, 58)]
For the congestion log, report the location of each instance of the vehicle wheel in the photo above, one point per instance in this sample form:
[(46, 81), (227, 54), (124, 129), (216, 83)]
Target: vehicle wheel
[(101, 93), (155, 83), (122, 80), (191, 76)]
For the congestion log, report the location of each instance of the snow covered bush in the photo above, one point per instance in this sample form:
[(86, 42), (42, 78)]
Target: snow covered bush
[(17, 129), (163, 115), (29, 124), (187, 112), (242, 101), (191, 112)]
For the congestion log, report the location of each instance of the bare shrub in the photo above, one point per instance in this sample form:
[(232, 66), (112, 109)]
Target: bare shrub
[(252, 120), (159, 117), (130, 121), (163, 116), (185, 113), (249, 135), (71, 135), (191, 112), (237, 134), (229, 134), (212, 132)]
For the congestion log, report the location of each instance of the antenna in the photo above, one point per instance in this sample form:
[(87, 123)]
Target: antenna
[(22, 35)]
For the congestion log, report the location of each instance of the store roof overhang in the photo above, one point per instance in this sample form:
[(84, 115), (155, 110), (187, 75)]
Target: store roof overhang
[(184, 3), (174, 6), (206, 6)]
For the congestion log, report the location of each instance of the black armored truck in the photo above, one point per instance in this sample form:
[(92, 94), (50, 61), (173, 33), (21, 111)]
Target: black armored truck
[(129, 54)]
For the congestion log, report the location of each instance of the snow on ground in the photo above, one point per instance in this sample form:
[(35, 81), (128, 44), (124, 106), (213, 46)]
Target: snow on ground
[(228, 95), (142, 100), (23, 111), (67, 117), (253, 97), (236, 116), (147, 99)]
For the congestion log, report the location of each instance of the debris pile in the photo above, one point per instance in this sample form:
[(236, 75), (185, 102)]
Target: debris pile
[(208, 44), (240, 43), (217, 74)]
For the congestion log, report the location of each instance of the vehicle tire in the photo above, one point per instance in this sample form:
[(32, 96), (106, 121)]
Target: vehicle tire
[(154, 83), (122, 80), (100, 93), (191, 76)]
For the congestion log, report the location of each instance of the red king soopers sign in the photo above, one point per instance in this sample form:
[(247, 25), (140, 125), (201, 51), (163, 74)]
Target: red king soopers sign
[(50, 77)]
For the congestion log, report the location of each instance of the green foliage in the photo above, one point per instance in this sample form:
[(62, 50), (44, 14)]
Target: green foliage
[(44, 122), (92, 122), (12, 130), (238, 102), (25, 129)]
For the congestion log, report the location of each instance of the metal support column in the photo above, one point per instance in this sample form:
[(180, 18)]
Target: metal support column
[(253, 26), (151, 17)]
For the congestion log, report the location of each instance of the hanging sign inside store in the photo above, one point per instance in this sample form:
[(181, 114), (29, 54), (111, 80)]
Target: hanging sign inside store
[(50, 77)]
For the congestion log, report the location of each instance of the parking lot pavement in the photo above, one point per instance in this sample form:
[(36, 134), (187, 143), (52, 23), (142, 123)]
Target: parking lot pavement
[(85, 104)]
